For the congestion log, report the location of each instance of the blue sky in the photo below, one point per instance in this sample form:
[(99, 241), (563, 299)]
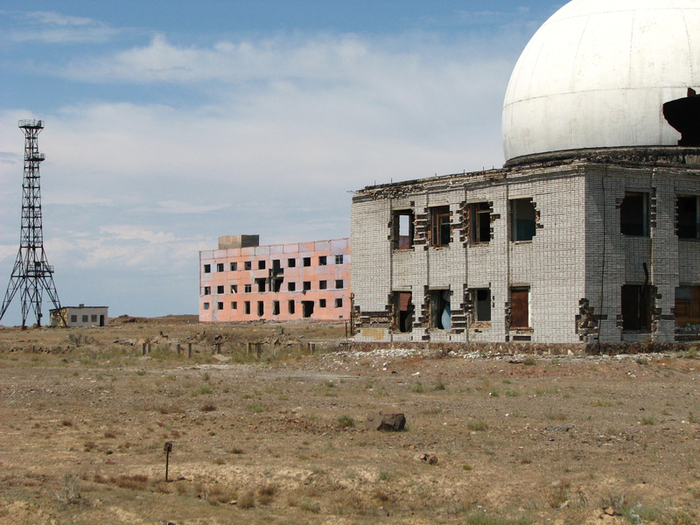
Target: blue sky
[(171, 123)]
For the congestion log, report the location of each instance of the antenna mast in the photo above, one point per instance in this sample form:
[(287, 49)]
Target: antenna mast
[(31, 273)]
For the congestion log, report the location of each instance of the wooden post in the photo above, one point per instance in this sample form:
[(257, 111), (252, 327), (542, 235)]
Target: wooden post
[(179, 349), (168, 449), (189, 350), (143, 349)]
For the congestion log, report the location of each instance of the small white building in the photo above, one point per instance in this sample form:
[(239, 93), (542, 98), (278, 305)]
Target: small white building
[(80, 316)]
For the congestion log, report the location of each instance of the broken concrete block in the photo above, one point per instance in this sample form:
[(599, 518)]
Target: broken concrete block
[(386, 420), (221, 358)]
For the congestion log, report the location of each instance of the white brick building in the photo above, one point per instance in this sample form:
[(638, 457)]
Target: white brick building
[(591, 231)]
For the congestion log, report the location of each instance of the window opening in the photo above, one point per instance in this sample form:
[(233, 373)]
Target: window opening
[(207, 290), (634, 215), (260, 282), (234, 288), (261, 265), (322, 285), (234, 305), (233, 266), (207, 268), (276, 284), (307, 261), (687, 309), (307, 286), (291, 263), (248, 265), (338, 259), (636, 307), (339, 284), (276, 265), (261, 308), (440, 310), (220, 289), (219, 267), (93, 318), (520, 308), (404, 311), (687, 217), (246, 307), (403, 229), (290, 306), (482, 307), (206, 307), (248, 288), (322, 260), (307, 309), (480, 222), (275, 307), (321, 303), (291, 287), (339, 303), (440, 226), (524, 219), (220, 306)]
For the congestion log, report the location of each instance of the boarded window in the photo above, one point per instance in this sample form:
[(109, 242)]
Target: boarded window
[(440, 310), (636, 307), (480, 222), (403, 227), (524, 217), (440, 226), (520, 307), (403, 306), (634, 215), (482, 304), (687, 309), (687, 217)]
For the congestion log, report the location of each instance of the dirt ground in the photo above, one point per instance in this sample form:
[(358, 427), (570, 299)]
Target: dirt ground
[(278, 436)]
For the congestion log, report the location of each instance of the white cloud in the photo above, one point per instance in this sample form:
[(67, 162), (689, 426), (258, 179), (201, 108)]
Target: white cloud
[(54, 28)]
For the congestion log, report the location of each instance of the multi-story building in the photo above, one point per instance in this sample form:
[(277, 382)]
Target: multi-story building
[(242, 281), (590, 233)]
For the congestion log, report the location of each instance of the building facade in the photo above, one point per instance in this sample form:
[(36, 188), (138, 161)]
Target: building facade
[(590, 233), (80, 316), (242, 281)]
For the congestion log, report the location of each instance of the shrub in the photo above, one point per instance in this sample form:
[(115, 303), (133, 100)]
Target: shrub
[(346, 421)]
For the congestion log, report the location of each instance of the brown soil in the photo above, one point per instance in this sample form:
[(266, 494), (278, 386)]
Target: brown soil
[(84, 418)]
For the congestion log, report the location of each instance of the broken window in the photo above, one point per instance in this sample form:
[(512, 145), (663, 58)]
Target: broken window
[(403, 308), (220, 306), (480, 222), (520, 307), (276, 284), (260, 282), (207, 290), (321, 303), (207, 268), (233, 266), (440, 310), (290, 306), (403, 229), (440, 226), (206, 307), (307, 261), (261, 265), (248, 265), (687, 217), (246, 307), (339, 303), (322, 260), (524, 218), (322, 285), (234, 288), (634, 214), (291, 263), (275, 307), (234, 305), (291, 287), (339, 284), (482, 305), (308, 308), (307, 286), (261, 308), (219, 267), (248, 288), (636, 307), (338, 259), (687, 309)]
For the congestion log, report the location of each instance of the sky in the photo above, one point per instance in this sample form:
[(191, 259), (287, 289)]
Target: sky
[(169, 123)]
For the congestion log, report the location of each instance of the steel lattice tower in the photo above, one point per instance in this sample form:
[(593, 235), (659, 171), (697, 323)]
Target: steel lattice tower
[(31, 273)]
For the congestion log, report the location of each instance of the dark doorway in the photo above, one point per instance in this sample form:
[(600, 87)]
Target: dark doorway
[(307, 308)]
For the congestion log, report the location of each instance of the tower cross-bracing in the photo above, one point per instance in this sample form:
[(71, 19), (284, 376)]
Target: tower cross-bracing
[(31, 274)]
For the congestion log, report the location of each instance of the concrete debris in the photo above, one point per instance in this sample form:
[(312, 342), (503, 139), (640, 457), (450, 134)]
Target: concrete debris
[(386, 420)]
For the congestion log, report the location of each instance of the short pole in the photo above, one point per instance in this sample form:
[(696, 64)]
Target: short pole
[(168, 449), (189, 350)]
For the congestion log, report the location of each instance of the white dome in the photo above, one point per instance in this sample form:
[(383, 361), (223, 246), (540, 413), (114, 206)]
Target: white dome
[(597, 74)]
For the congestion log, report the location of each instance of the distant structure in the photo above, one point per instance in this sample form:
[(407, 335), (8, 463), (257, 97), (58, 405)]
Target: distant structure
[(80, 316), (590, 233), (242, 281), (32, 273)]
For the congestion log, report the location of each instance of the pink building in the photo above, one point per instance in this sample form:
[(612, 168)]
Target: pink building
[(242, 281)]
